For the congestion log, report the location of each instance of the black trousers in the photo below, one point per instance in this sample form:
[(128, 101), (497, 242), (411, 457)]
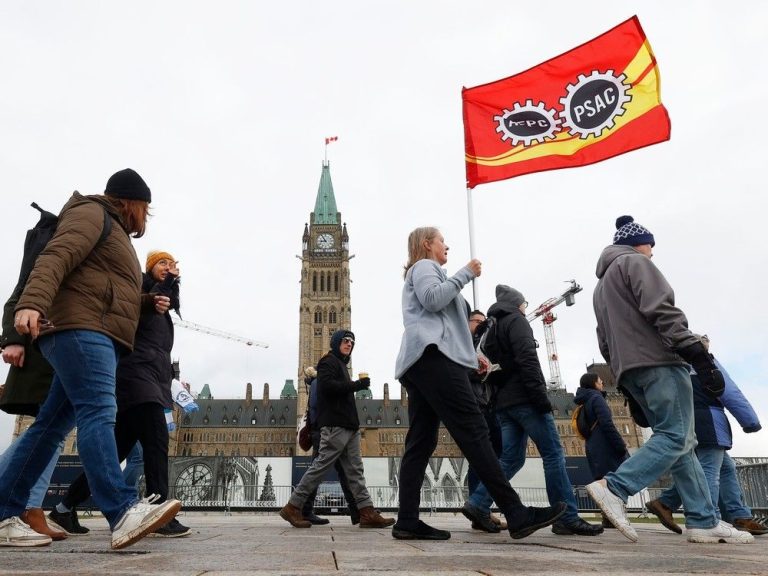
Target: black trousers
[(439, 390), (495, 436), (143, 423), (309, 503)]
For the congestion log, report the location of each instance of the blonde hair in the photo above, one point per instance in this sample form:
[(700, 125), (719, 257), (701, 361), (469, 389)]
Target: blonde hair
[(416, 249)]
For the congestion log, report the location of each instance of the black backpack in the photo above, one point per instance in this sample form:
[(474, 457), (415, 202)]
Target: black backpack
[(39, 236)]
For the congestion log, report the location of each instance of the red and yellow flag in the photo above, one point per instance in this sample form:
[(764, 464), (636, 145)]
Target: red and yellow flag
[(596, 101)]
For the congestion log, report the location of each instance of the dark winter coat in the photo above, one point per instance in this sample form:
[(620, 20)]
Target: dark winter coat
[(713, 430), (520, 380), (335, 393), (79, 285), (26, 388), (605, 447), (145, 375)]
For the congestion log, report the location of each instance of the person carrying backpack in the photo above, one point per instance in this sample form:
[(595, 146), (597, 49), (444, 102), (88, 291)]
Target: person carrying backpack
[(82, 299), (523, 410), (605, 448)]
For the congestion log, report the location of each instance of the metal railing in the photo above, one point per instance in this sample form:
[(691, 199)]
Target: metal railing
[(331, 499), (754, 483)]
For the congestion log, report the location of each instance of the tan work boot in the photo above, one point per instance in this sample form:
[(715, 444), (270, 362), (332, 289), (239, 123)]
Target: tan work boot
[(35, 519), (370, 518), (664, 515), (290, 513)]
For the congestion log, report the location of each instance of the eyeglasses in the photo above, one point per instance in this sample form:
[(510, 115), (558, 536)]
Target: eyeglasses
[(525, 303), (347, 340)]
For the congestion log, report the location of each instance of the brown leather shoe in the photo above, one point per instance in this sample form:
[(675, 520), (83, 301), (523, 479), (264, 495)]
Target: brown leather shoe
[(749, 525), (293, 515), (35, 518), (370, 518), (664, 515)]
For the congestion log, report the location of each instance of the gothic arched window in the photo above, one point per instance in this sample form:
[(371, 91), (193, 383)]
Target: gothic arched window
[(318, 316), (336, 282), (314, 281), (322, 282)]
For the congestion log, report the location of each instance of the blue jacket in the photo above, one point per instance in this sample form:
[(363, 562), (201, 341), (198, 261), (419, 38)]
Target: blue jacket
[(605, 447), (712, 427), (434, 312)]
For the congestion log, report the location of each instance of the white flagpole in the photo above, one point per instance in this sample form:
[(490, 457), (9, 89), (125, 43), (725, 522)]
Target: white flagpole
[(471, 216)]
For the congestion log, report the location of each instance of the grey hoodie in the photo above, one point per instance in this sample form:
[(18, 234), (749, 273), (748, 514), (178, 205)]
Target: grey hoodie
[(638, 324)]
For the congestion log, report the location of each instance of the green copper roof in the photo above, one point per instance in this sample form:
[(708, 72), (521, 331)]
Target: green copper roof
[(205, 393), (325, 205), (289, 391)]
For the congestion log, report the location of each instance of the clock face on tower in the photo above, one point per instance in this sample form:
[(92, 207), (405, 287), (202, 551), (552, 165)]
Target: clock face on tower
[(325, 241), (194, 483)]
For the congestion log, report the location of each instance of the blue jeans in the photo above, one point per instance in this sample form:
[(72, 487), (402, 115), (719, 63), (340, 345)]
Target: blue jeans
[(666, 397), (517, 424), (134, 466), (724, 486), (82, 393), (37, 494)]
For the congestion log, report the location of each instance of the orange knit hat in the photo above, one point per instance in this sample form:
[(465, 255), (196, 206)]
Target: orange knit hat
[(155, 256)]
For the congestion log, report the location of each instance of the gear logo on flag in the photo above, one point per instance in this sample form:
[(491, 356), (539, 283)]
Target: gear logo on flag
[(527, 124), (594, 102)]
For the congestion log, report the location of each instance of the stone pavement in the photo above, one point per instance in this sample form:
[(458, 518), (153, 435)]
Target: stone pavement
[(263, 543)]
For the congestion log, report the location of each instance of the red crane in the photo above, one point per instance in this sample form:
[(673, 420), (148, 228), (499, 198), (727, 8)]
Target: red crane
[(544, 311)]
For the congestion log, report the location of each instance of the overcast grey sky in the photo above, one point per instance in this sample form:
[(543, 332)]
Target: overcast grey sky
[(222, 108)]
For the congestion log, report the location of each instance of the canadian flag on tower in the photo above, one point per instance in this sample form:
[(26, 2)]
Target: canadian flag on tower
[(330, 139)]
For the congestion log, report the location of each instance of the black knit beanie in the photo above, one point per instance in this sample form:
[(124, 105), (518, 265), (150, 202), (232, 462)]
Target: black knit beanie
[(128, 185)]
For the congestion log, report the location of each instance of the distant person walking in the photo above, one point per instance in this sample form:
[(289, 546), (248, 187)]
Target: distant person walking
[(308, 510), (26, 387), (339, 436), (86, 299), (646, 340), (605, 448), (485, 400), (435, 356), (713, 432), (144, 392), (524, 411)]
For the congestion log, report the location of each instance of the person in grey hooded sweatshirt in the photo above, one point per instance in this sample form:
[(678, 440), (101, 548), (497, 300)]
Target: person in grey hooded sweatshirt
[(645, 339)]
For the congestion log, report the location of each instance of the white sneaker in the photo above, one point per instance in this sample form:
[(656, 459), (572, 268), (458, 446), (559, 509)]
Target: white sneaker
[(723, 533), (14, 532), (613, 507), (141, 519)]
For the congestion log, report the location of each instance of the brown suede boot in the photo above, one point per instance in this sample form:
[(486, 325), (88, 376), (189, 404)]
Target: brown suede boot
[(370, 518), (664, 515), (293, 515), (35, 518)]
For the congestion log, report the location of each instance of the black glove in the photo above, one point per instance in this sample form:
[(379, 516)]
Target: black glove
[(710, 377), (362, 384)]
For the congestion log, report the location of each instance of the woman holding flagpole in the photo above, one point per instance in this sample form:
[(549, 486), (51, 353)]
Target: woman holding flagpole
[(435, 353)]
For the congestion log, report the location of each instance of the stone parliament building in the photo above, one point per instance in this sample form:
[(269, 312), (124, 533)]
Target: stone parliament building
[(266, 426)]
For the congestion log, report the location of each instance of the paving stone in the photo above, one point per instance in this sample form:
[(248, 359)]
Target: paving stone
[(263, 543)]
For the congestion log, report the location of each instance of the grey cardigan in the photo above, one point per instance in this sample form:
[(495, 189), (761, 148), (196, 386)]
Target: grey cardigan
[(434, 312), (638, 324)]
